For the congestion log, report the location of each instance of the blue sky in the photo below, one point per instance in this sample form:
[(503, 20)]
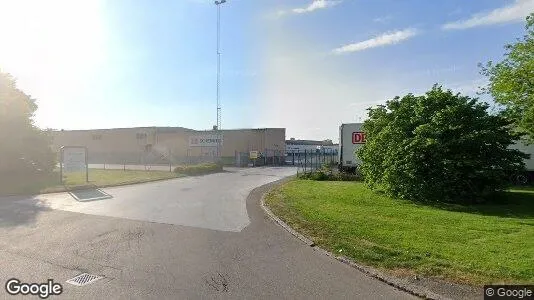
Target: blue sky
[(305, 65)]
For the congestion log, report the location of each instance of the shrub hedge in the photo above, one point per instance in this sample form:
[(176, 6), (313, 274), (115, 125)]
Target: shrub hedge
[(326, 173), (200, 169)]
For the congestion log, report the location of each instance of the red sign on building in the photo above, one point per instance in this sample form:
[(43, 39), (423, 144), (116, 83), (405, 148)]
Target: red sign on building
[(358, 137)]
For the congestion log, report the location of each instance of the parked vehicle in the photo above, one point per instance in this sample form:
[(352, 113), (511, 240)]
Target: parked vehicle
[(351, 137), (528, 176)]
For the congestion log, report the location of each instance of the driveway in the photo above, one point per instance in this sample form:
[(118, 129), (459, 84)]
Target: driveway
[(198, 237), (216, 201)]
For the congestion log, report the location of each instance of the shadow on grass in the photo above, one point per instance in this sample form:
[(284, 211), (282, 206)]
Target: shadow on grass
[(514, 203), (29, 185)]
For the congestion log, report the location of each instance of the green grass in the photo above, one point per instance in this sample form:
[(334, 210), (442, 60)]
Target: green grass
[(477, 244), (97, 178)]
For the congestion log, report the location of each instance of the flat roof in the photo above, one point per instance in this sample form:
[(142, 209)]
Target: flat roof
[(309, 142), (162, 129), (235, 129)]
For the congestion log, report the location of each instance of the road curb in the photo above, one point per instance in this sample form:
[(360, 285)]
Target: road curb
[(400, 284)]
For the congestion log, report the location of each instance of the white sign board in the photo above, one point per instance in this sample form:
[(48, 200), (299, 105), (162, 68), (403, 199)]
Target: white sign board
[(253, 154), (74, 159), (205, 141)]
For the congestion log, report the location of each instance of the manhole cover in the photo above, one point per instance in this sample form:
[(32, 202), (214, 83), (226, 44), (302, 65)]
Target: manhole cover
[(89, 195), (83, 279)]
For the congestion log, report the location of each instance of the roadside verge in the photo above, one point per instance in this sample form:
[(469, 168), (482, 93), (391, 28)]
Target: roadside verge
[(446, 291)]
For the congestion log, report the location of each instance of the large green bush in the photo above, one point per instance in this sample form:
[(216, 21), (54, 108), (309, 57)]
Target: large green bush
[(439, 146), (199, 169), (24, 148)]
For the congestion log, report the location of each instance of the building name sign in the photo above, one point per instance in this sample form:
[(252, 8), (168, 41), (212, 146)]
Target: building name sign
[(205, 141)]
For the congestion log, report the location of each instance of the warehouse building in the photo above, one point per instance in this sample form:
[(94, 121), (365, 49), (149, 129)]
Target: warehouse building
[(299, 146), (153, 145)]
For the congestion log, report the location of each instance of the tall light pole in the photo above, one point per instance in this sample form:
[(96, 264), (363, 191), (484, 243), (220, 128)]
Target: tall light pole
[(219, 109)]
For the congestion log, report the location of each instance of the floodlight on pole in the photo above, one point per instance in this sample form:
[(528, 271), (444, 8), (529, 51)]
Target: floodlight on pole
[(219, 109)]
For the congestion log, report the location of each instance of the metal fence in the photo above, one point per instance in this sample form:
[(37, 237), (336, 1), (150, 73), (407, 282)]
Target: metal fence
[(145, 158), (144, 161), (309, 160), (267, 157), (304, 159), (153, 160)]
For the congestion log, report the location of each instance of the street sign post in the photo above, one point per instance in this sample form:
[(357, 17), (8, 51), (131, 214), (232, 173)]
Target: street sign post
[(253, 155)]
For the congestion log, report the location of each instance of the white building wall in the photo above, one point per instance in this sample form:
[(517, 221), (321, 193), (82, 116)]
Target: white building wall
[(301, 148)]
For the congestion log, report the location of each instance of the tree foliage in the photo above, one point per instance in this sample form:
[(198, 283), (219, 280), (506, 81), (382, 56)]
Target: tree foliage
[(24, 148), (511, 81), (438, 147)]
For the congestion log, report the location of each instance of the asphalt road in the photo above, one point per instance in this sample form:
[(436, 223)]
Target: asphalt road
[(191, 238)]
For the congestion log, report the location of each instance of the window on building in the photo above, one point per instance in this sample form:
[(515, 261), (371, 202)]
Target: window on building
[(97, 137)]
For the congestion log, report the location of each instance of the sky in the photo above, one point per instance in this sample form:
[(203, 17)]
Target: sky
[(304, 65)]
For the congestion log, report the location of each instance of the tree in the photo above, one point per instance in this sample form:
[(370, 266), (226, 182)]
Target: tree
[(438, 147), (24, 148), (511, 81)]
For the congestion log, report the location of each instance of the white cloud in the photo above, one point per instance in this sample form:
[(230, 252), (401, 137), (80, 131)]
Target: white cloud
[(301, 90), (315, 5), (388, 38), (384, 19), (516, 12)]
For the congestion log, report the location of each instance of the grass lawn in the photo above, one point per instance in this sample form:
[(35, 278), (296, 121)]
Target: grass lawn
[(97, 178), (477, 244)]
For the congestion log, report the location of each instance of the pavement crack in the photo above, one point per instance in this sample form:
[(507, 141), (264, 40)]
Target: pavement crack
[(218, 282)]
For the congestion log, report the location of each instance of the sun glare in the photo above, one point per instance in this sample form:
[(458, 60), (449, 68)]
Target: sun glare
[(49, 43)]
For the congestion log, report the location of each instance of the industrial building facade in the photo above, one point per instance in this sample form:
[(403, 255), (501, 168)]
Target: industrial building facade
[(170, 144), (300, 146)]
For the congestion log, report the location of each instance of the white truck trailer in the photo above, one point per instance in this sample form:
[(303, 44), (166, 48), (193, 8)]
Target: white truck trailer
[(528, 176), (351, 137)]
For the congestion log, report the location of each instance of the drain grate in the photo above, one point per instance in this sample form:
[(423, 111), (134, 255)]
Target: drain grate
[(90, 195), (84, 279)]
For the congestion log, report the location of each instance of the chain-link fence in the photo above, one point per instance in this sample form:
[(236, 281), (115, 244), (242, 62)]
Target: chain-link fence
[(166, 161), (147, 160), (267, 157), (155, 161)]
